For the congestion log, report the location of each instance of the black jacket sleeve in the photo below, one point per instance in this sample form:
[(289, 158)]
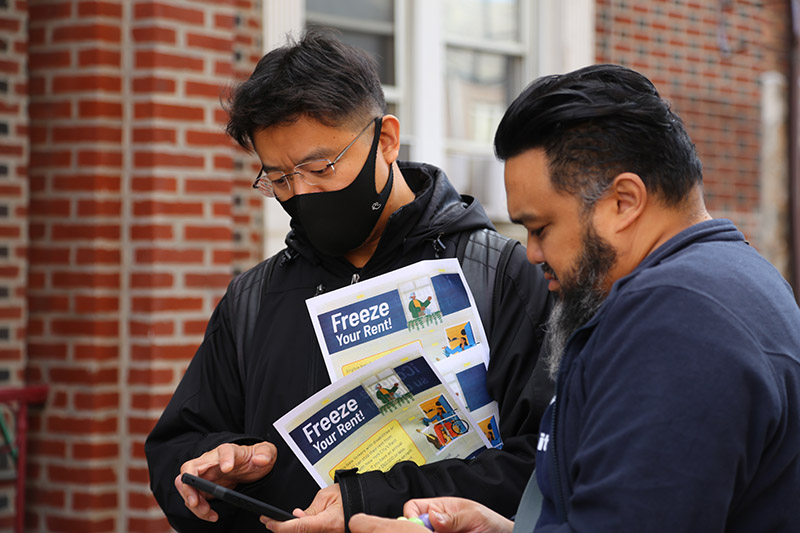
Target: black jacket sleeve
[(496, 478), (205, 411)]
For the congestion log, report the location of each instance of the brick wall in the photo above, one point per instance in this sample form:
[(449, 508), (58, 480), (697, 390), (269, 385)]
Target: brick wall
[(133, 212), (13, 226), (707, 58)]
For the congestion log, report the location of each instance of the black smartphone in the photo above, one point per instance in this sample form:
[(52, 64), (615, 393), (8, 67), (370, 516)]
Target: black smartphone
[(236, 498)]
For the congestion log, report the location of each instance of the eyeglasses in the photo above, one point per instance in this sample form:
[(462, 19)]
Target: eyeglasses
[(275, 183)]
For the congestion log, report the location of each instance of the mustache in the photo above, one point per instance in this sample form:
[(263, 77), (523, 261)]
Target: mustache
[(548, 270)]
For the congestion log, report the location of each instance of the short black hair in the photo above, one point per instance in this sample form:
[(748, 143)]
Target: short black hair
[(597, 122), (319, 76)]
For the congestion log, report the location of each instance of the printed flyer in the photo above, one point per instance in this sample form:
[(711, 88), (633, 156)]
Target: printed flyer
[(396, 409), (428, 305)]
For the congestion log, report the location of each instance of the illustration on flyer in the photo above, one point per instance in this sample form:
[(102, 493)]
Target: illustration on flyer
[(396, 409), (427, 304)]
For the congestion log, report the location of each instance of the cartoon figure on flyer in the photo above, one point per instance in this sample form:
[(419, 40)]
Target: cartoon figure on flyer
[(385, 395), (490, 429), (422, 310), (446, 423), (418, 308), (388, 392), (432, 440), (459, 338)]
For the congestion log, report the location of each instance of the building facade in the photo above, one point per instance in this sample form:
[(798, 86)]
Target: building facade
[(125, 211)]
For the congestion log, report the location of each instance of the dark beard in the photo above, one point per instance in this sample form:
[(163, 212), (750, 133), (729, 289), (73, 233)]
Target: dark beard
[(581, 294)]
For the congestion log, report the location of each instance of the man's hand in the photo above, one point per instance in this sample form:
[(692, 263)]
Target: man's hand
[(364, 523), (227, 465), (446, 515), (324, 515)]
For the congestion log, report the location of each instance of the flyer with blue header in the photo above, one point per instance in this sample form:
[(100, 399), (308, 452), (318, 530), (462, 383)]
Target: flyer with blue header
[(395, 409), (427, 305)]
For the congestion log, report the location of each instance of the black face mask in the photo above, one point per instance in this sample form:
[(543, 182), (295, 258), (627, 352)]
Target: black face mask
[(339, 221)]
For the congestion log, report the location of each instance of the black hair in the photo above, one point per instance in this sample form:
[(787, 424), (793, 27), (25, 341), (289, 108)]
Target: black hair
[(319, 76), (597, 122)]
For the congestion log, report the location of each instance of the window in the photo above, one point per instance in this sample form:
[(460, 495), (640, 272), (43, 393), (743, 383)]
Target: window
[(375, 26), (486, 51), (450, 68), (366, 24)]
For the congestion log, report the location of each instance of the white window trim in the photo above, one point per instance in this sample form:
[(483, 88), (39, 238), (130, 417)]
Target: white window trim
[(427, 127), (566, 35), (281, 17)]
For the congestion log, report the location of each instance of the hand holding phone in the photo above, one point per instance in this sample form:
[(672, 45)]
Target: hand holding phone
[(236, 498)]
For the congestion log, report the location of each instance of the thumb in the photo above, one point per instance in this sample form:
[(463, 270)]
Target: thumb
[(312, 510), (443, 522), (325, 499)]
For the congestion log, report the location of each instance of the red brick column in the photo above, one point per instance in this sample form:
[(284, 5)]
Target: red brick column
[(75, 328), (248, 204), (14, 150), (131, 229)]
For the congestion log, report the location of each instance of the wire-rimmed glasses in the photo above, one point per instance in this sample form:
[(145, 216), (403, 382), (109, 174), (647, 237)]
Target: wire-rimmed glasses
[(276, 184)]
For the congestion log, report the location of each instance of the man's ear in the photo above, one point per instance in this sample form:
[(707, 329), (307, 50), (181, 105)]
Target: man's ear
[(390, 138), (624, 202)]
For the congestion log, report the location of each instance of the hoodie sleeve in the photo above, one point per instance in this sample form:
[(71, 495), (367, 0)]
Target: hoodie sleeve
[(496, 478)]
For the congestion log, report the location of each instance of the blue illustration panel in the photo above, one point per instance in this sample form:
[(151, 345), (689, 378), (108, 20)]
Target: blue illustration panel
[(450, 293), (473, 385)]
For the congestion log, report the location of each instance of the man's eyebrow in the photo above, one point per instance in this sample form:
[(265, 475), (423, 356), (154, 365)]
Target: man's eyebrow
[(317, 153), (525, 218), (268, 168)]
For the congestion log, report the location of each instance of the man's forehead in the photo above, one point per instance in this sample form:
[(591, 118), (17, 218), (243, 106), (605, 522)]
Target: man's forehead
[(299, 141)]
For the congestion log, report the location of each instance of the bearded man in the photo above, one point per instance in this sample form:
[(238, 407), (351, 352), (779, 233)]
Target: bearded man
[(675, 344)]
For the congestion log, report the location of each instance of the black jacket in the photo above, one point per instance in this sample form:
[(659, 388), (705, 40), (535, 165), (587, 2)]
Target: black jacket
[(283, 366)]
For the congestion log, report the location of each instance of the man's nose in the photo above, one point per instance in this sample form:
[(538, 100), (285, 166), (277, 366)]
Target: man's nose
[(534, 252)]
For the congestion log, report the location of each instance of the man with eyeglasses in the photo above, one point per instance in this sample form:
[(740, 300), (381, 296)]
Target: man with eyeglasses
[(314, 114)]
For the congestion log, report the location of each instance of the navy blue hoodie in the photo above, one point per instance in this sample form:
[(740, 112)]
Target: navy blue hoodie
[(677, 405)]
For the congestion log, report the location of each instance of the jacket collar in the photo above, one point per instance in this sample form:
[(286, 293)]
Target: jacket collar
[(718, 230), (707, 231)]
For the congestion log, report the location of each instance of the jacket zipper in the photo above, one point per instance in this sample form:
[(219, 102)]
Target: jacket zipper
[(438, 245), (560, 503), (312, 365)]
